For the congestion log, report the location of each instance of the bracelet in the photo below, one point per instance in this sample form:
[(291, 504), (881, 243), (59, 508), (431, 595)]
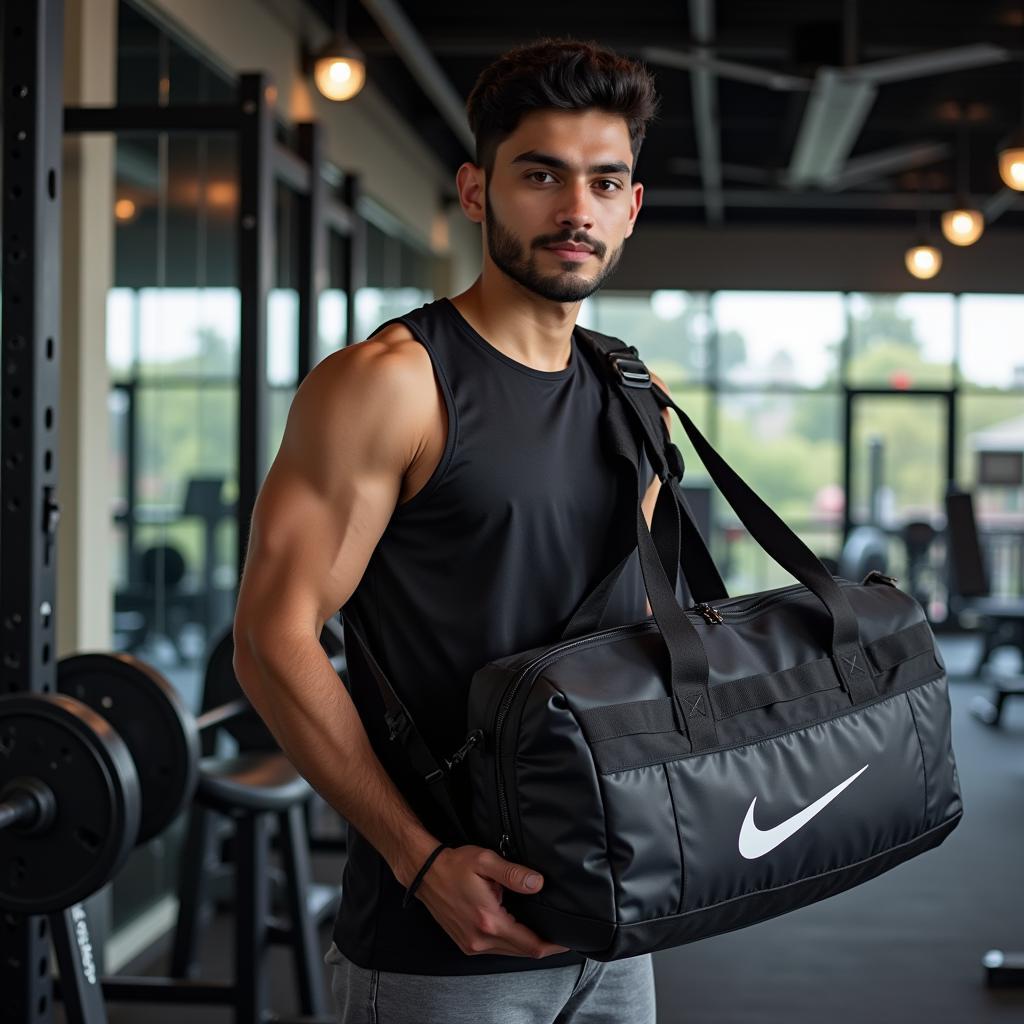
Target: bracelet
[(419, 878)]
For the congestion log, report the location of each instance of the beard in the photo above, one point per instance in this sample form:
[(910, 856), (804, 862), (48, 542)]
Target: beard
[(563, 285)]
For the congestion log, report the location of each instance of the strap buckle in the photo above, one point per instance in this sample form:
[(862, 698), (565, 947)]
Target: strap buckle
[(474, 738), (631, 369), (397, 723)]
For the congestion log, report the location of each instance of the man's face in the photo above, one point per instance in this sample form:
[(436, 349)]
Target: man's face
[(561, 177)]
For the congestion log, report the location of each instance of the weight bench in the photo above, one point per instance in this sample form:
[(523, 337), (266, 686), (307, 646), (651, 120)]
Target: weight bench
[(256, 789)]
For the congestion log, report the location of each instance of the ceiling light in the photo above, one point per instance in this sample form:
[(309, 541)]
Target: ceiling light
[(340, 74), (962, 226), (923, 260), (339, 69), (125, 210), (1011, 154), (1011, 161)]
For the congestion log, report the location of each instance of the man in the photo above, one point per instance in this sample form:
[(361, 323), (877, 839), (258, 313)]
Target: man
[(444, 483)]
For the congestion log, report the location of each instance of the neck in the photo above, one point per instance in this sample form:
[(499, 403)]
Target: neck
[(523, 325)]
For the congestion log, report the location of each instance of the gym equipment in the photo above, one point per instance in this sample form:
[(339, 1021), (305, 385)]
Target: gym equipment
[(257, 783), (1000, 620), (989, 710), (149, 715), (253, 788), (109, 762), (866, 548), (70, 802)]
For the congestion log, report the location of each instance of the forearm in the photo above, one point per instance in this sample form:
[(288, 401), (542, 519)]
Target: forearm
[(307, 707)]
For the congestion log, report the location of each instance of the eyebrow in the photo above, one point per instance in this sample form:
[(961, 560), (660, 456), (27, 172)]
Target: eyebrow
[(532, 156)]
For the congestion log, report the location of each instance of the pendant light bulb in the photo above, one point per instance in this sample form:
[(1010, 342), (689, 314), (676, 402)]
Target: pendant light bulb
[(339, 69), (962, 226), (1011, 161), (923, 261), (339, 72)]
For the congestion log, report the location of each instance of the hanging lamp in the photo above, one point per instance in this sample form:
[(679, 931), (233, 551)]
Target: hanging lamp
[(964, 224), (1011, 154), (339, 68), (922, 259)]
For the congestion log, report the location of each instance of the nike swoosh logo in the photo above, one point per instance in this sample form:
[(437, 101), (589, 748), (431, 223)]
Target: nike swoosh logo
[(756, 843)]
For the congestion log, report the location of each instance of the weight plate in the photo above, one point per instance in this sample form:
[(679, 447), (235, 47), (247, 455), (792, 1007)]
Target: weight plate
[(152, 719), (87, 767)]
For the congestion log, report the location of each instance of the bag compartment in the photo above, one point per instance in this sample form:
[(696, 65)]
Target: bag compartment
[(763, 815)]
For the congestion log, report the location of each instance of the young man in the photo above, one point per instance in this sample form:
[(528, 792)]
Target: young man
[(444, 482)]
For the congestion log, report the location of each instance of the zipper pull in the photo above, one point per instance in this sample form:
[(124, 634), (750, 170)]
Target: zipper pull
[(875, 574), (710, 614), (503, 845)]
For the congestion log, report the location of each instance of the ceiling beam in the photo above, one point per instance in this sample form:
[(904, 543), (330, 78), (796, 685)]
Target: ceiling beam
[(784, 199), (892, 160), (408, 44), (704, 93)]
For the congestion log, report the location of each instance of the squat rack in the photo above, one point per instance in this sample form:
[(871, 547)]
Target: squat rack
[(34, 121)]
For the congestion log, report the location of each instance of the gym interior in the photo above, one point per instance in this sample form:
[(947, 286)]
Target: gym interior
[(826, 272)]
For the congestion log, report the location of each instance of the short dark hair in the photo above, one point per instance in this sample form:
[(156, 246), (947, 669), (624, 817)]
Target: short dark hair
[(562, 74)]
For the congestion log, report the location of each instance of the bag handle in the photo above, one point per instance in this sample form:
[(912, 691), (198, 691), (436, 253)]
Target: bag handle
[(689, 669), (630, 380), (673, 525)]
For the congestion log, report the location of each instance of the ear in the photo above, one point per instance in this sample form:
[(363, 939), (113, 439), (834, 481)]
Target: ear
[(469, 181), (634, 209)]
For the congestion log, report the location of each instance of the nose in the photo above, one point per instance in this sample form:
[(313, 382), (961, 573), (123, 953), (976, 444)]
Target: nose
[(576, 212)]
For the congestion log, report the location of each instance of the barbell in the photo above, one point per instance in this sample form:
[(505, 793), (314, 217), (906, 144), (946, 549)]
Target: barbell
[(88, 773)]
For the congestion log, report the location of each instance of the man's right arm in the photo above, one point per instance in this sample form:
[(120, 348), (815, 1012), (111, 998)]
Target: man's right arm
[(356, 425)]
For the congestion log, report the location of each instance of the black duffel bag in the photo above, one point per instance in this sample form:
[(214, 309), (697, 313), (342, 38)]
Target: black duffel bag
[(704, 769)]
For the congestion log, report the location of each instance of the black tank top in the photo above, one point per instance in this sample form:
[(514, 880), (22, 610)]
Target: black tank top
[(515, 526)]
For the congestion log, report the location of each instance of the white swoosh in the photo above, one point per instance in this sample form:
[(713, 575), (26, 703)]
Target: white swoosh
[(756, 843)]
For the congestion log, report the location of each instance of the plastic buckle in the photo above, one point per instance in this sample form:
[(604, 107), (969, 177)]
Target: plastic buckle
[(397, 723), (474, 738), (632, 371)]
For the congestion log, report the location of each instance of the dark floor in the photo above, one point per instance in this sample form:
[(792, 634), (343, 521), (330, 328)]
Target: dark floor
[(903, 948)]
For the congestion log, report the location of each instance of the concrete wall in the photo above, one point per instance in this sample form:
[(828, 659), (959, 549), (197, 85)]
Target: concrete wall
[(808, 258), (85, 487)]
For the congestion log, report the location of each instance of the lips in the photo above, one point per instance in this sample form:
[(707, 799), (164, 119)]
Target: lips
[(567, 253)]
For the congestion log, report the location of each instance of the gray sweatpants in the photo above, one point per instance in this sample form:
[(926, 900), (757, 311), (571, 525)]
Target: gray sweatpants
[(618, 992)]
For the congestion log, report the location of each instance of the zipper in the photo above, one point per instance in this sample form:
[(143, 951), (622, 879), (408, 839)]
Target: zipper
[(707, 612), (710, 613), (504, 844)]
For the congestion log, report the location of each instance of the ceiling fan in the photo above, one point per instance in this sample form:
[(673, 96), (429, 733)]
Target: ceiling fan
[(837, 107)]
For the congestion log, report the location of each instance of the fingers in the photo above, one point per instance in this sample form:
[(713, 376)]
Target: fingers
[(513, 876)]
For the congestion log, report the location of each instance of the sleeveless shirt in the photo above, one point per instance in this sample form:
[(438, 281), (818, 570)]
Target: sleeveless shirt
[(521, 518)]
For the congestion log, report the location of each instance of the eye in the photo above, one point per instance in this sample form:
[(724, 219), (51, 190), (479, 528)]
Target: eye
[(610, 181), (532, 173)]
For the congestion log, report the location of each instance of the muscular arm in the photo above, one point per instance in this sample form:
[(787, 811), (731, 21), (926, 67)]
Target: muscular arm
[(355, 426)]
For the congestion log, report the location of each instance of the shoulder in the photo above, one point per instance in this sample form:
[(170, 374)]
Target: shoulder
[(392, 364), (377, 389)]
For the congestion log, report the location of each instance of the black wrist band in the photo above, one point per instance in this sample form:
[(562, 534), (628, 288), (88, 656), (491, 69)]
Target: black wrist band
[(419, 878)]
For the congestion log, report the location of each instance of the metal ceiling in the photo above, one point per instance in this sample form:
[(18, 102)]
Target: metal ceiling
[(773, 111)]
